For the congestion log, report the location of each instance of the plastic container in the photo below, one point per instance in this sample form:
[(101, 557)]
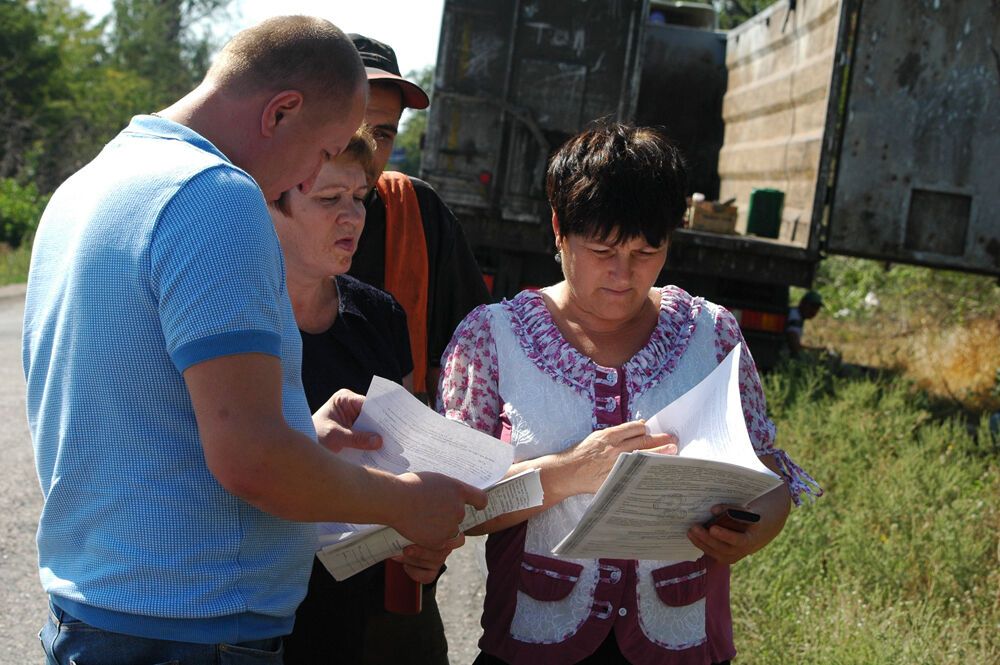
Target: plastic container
[(764, 214)]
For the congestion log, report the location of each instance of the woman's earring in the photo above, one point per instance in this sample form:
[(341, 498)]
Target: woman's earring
[(558, 256)]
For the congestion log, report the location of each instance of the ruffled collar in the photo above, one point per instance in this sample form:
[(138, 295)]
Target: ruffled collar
[(549, 351)]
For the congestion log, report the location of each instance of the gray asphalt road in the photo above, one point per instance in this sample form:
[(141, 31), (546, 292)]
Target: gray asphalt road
[(460, 591), (21, 596)]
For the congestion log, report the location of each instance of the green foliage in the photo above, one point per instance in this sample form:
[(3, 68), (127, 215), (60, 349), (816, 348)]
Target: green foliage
[(897, 562), (96, 100), (68, 83), (410, 137), (154, 40), (21, 207), (27, 69), (14, 264), (907, 296), (734, 12)]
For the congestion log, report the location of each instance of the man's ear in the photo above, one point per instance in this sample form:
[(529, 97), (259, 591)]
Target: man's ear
[(280, 109)]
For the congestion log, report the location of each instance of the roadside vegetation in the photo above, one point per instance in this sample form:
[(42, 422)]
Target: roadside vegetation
[(898, 561), (14, 264), (70, 81), (939, 328)]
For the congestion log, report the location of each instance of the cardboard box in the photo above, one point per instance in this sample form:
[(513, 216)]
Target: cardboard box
[(712, 217)]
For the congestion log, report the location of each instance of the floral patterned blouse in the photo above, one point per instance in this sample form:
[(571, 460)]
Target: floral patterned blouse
[(509, 372)]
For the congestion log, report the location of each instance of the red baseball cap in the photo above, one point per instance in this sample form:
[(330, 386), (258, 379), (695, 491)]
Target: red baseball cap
[(380, 64)]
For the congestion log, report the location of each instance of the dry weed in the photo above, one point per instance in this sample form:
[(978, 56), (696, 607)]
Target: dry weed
[(957, 362)]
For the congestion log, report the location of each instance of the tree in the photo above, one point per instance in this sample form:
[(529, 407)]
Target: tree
[(68, 84), (94, 100), (734, 12), (409, 142), (28, 66), (155, 39)]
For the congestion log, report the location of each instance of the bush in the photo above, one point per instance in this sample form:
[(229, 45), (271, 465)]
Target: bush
[(14, 264), (21, 207), (939, 327)]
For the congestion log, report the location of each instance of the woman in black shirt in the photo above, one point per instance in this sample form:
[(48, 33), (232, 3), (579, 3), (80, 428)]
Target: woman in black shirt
[(350, 332)]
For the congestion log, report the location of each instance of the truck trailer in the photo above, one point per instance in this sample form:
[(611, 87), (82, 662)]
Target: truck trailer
[(878, 122)]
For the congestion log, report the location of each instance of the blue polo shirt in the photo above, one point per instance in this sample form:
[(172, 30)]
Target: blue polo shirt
[(157, 255)]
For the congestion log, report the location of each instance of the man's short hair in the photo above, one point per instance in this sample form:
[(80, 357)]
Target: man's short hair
[(360, 149), (301, 53), (616, 182)]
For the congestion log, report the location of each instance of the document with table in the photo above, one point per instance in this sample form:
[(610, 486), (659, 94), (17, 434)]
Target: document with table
[(648, 501), (415, 439)]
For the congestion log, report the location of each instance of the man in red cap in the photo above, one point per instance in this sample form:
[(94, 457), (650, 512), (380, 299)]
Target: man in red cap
[(412, 247)]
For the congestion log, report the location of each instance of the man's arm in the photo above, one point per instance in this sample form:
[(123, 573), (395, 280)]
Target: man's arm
[(255, 455)]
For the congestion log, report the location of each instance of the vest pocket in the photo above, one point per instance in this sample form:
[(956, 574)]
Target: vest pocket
[(547, 579), (681, 583)]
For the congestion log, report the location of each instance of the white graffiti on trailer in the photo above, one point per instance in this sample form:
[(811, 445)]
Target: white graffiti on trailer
[(559, 37), (484, 49)]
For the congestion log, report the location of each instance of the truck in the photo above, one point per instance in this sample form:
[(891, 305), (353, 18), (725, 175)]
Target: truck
[(878, 121)]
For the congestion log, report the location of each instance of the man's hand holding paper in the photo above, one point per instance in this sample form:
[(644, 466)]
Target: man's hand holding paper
[(437, 458), (434, 504)]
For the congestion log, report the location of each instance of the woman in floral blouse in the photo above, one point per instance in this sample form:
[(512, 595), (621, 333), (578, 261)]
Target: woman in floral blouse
[(566, 375)]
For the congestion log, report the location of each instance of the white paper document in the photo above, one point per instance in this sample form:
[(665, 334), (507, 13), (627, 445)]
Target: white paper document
[(414, 439), (648, 501), (348, 553)]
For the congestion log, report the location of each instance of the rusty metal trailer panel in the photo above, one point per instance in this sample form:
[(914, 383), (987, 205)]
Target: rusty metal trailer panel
[(681, 86), (913, 156), (780, 64), (514, 80)]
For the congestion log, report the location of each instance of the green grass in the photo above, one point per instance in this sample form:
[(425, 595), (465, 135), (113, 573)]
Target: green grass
[(14, 264), (898, 562)]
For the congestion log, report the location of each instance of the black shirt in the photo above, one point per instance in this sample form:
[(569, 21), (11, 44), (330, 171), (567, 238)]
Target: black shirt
[(456, 284), (345, 622), (367, 338)]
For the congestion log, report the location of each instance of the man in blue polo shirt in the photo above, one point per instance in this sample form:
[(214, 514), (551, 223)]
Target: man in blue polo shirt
[(173, 443)]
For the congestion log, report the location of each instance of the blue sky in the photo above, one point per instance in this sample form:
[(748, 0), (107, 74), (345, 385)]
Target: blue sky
[(411, 27)]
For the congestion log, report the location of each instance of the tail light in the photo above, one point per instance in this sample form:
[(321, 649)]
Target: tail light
[(750, 319)]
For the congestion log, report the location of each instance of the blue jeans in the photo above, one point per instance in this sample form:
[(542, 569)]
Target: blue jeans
[(69, 641)]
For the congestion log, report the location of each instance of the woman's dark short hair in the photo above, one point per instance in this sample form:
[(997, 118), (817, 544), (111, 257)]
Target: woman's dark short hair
[(616, 182)]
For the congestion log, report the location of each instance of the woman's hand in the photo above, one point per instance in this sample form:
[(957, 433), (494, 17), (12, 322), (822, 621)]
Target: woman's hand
[(727, 546), (581, 469), (423, 564), (591, 460), (334, 419), (722, 544)]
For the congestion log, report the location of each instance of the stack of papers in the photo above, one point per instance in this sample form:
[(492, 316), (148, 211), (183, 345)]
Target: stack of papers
[(648, 501), (415, 439)]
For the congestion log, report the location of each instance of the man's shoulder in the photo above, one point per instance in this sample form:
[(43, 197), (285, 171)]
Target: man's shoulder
[(159, 150), (424, 190), (423, 186)]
